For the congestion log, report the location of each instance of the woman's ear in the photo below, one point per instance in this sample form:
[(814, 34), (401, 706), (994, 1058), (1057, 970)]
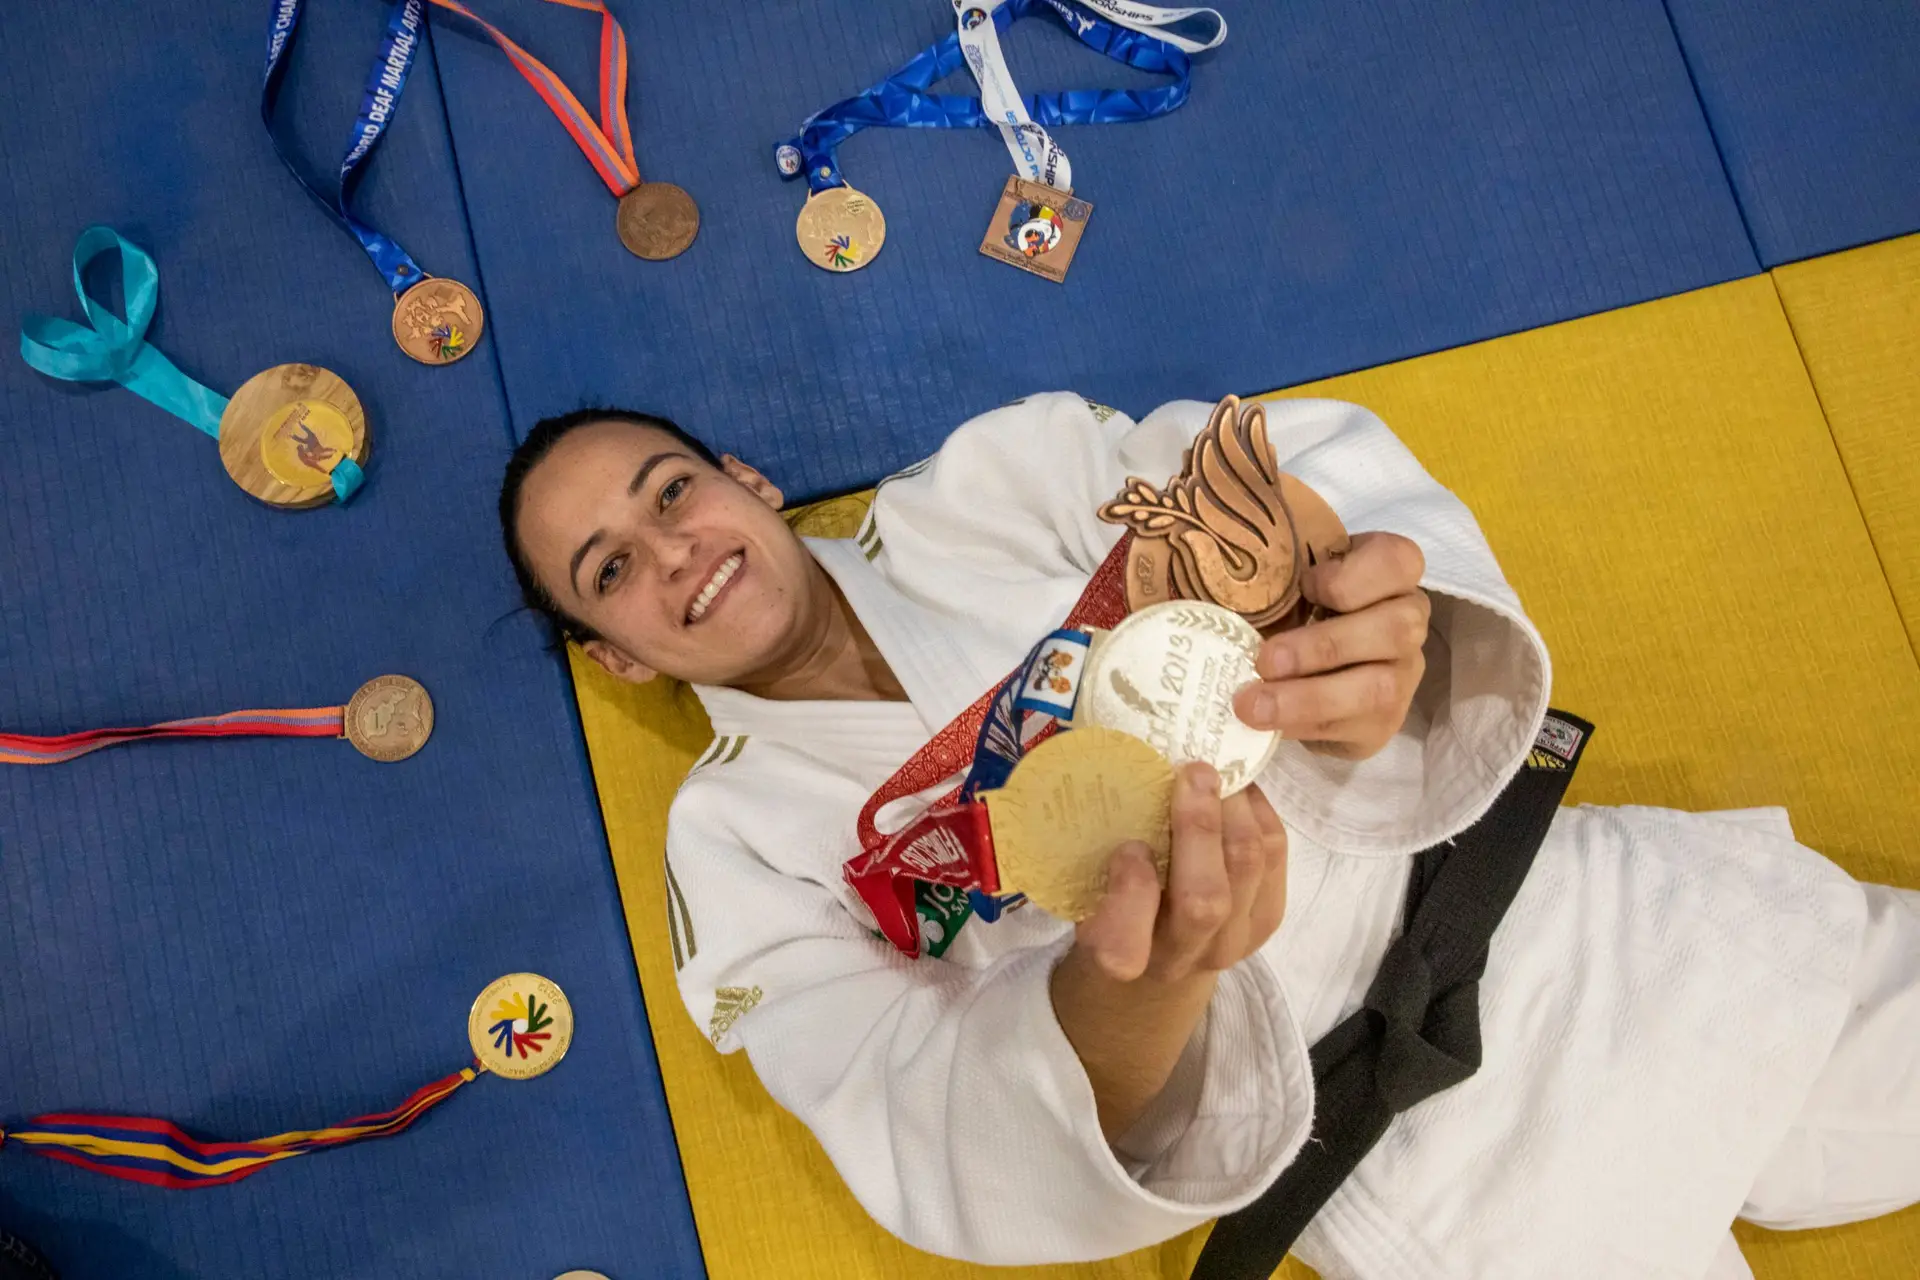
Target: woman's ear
[(618, 662), (752, 481)]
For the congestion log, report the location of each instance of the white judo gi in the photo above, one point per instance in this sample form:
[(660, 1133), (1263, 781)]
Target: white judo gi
[(1672, 1000)]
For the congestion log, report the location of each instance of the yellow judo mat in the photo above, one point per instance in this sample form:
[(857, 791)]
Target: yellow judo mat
[(1664, 491)]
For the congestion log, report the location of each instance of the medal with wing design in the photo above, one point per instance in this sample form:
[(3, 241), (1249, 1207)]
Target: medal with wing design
[(1231, 529)]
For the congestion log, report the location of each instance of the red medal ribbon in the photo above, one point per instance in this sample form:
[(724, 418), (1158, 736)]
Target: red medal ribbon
[(951, 843), (304, 722)]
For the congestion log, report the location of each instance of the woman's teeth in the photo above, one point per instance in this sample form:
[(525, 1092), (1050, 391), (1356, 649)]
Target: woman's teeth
[(721, 576)]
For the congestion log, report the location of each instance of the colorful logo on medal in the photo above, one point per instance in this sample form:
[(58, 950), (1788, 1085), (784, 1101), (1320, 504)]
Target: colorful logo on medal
[(1051, 677), (787, 157), (520, 1026), (448, 342), (972, 18), (304, 441), (1033, 229), (842, 253)]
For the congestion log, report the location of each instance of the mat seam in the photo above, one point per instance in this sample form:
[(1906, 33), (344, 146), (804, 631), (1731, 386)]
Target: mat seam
[(1719, 152), (1826, 418), (466, 222)]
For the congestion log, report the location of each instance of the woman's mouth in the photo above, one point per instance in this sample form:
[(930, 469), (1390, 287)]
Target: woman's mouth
[(717, 584)]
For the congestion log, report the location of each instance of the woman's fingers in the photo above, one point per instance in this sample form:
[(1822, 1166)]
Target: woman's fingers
[(1376, 566), (1380, 632), (1119, 934), (1311, 707), (1199, 897)]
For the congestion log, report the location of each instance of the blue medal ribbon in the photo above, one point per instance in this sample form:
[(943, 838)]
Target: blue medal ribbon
[(902, 101), (109, 349), (392, 63)]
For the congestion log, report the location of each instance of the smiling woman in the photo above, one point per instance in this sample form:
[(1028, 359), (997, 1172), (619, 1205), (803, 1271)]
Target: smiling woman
[(659, 558)]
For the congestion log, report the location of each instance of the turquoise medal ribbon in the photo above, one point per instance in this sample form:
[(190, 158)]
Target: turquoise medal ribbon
[(109, 349)]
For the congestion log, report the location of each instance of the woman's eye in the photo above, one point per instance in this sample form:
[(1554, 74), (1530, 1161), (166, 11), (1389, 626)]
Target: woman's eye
[(608, 573), (672, 491)]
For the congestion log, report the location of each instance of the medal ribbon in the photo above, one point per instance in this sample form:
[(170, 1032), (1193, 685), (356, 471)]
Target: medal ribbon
[(304, 722), (1035, 154), (608, 144), (902, 101), (109, 349), (386, 79), (160, 1154), (986, 740)]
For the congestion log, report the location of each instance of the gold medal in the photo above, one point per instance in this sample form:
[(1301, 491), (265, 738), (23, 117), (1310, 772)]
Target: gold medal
[(1167, 676), (520, 1026), (840, 229), (1036, 228), (1068, 805), (581, 1275), (438, 320), (286, 430), (657, 221), (389, 718)]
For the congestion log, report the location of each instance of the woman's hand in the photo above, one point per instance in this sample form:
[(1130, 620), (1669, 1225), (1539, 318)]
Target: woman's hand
[(1142, 967), (1343, 685)]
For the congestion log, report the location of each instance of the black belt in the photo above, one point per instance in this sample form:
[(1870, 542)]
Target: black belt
[(1419, 1030)]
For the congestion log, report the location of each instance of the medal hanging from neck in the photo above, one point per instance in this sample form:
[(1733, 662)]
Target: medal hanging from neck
[(656, 220), (1143, 672), (841, 229), (519, 1027), (435, 320), (388, 719), (293, 436)]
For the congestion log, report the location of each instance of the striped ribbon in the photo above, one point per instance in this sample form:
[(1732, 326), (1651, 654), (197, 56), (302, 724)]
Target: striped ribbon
[(608, 144), (161, 1154), (305, 722)]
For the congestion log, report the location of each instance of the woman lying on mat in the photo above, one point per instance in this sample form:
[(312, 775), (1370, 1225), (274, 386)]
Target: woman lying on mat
[(1685, 1017)]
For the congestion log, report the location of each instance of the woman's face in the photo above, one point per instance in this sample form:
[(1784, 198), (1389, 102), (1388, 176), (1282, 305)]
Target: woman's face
[(683, 569)]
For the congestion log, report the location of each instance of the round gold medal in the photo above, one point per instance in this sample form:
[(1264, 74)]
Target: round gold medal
[(438, 320), (657, 221), (286, 429), (1167, 675), (389, 718), (841, 229), (520, 1026), (1068, 805), (581, 1275)]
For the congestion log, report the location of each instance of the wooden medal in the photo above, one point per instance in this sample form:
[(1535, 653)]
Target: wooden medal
[(1068, 805), (840, 229), (438, 320), (657, 221), (520, 1026), (285, 431), (389, 718), (1037, 228)]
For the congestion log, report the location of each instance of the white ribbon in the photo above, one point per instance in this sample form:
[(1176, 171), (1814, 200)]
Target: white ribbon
[(1036, 156), (1153, 20)]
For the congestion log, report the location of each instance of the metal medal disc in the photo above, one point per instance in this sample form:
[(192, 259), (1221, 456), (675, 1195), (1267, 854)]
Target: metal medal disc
[(657, 221), (1068, 805), (520, 1026), (438, 320), (840, 229), (581, 1275), (286, 429), (389, 718), (1167, 675)]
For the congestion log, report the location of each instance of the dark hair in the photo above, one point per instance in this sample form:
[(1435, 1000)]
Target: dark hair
[(540, 441)]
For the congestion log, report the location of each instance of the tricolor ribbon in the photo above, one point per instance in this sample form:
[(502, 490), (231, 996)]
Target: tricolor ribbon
[(109, 349), (901, 100), (161, 1154), (951, 841), (304, 722), (608, 144)]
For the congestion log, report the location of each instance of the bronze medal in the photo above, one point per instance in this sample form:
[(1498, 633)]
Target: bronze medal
[(1231, 529), (1036, 228), (520, 1026), (286, 429), (438, 320), (657, 221), (1068, 805), (840, 229), (389, 718)]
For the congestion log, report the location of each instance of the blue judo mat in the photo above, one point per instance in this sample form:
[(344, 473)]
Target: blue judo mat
[(1350, 184), (252, 936), (1817, 110)]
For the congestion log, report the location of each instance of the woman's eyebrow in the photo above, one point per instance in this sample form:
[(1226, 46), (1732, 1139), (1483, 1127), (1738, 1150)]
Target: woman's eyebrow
[(639, 479)]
